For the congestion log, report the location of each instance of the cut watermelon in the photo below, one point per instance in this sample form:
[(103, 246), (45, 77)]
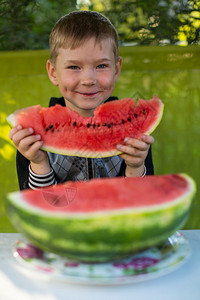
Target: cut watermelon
[(103, 219), (66, 132)]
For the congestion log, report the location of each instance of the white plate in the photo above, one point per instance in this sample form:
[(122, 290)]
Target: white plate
[(144, 265)]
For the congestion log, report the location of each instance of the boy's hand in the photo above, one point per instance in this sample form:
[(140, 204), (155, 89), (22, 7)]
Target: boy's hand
[(134, 153), (29, 145)]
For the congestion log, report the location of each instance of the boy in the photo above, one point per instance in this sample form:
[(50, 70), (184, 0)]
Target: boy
[(85, 65)]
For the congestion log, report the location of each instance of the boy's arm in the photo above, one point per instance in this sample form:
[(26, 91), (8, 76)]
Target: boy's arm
[(33, 167), (28, 179)]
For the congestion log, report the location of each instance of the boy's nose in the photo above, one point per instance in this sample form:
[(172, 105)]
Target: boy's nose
[(88, 78)]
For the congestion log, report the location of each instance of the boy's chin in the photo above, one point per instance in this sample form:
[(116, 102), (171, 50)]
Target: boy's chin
[(84, 107)]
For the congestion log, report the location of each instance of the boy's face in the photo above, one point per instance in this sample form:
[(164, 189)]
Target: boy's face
[(86, 75)]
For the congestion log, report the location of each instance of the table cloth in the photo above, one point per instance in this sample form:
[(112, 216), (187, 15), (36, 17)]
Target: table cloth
[(19, 282)]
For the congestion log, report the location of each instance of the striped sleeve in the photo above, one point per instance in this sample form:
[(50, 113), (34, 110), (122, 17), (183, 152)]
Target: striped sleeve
[(36, 181)]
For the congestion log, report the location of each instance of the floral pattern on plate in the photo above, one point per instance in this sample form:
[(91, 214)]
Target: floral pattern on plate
[(148, 264)]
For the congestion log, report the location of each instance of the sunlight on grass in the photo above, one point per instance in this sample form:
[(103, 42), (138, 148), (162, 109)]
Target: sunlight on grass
[(7, 150)]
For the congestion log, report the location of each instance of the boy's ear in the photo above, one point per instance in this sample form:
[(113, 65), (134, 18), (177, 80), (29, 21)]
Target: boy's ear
[(52, 72), (118, 68)]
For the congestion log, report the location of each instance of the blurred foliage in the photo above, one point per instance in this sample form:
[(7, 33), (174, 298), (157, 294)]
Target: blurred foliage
[(26, 24), (151, 21)]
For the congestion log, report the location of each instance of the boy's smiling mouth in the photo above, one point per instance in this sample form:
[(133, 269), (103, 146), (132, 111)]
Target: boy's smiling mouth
[(88, 94)]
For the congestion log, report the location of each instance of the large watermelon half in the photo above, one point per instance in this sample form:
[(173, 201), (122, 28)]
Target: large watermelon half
[(66, 132), (103, 219)]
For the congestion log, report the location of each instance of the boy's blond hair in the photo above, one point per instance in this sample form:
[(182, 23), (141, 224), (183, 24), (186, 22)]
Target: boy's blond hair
[(73, 29)]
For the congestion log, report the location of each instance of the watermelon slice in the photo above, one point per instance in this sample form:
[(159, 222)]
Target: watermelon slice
[(103, 219), (65, 132)]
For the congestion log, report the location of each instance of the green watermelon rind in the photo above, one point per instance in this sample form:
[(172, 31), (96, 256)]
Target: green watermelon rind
[(92, 154), (11, 120), (92, 236), (155, 124)]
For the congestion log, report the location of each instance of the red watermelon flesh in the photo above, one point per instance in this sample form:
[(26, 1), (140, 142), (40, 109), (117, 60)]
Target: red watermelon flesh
[(109, 194), (64, 131)]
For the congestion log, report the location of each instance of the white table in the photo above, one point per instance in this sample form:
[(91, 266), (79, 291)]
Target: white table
[(16, 282)]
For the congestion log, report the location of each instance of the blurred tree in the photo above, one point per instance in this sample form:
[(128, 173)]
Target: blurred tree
[(189, 31), (26, 24), (151, 21), (47, 14), (16, 23)]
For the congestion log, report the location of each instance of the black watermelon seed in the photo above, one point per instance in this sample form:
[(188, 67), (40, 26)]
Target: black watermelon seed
[(144, 112), (123, 121), (98, 125), (94, 125), (74, 124), (108, 126), (88, 125), (46, 129), (129, 119), (135, 115), (105, 124), (50, 126)]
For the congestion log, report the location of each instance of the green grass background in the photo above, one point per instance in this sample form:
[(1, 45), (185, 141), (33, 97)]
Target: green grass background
[(171, 72)]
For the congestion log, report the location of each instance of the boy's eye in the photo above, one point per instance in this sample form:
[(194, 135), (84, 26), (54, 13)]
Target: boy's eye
[(102, 66), (73, 67)]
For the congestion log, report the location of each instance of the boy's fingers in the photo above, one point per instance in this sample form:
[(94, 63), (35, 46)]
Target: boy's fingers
[(35, 147), (19, 135), (28, 141), (133, 151), (137, 160), (30, 147), (14, 130), (142, 144), (149, 139), (138, 144)]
